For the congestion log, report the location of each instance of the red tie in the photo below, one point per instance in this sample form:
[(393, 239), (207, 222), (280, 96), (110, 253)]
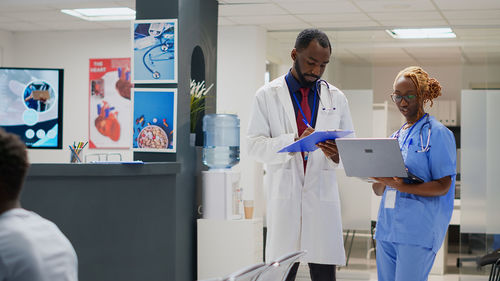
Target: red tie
[(307, 111), (301, 126)]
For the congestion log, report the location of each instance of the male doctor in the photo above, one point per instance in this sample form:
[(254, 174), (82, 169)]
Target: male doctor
[(303, 208)]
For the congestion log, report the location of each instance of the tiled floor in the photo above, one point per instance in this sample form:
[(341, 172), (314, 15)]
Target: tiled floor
[(362, 267), (371, 275)]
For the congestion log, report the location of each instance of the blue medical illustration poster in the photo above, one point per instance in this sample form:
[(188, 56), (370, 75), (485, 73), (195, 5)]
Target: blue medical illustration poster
[(154, 51), (154, 123)]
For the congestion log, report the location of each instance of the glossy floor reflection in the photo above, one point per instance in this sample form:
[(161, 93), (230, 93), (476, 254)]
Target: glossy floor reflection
[(362, 266)]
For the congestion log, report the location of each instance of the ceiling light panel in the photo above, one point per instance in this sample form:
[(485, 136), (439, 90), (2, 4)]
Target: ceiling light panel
[(102, 14), (422, 33)]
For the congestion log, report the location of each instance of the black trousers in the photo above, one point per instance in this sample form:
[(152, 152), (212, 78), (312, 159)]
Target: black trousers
[(318, 272)]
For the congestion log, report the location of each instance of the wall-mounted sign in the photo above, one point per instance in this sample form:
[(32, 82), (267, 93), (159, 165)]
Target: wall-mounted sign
[(154, 51), (110, 108), (155, 120)]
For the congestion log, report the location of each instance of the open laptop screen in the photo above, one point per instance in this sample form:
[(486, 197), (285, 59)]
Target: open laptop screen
[(373, 157)]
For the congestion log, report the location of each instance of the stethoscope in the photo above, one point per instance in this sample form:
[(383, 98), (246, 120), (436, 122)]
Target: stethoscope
[(316, 95), (165, 47), (323, 107), (427, 122)]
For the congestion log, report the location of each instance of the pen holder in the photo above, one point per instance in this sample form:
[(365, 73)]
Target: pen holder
[(74, 157)]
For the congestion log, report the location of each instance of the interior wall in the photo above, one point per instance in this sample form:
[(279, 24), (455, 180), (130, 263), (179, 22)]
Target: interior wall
[(70, 51), (477, 74), (452, 77), (6, 46), (241, 69)]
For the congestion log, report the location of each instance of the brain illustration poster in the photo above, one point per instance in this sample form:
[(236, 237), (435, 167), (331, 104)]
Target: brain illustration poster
[(110, 103), (154, 51), (154, 121)]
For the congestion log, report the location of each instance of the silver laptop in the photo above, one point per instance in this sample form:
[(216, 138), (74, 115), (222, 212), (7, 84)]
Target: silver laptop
[(370, 157)]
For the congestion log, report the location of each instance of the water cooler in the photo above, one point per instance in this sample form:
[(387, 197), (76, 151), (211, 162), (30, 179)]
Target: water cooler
[(221, 189)]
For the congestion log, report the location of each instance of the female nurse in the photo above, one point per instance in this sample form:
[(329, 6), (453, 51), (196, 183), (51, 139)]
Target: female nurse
[(413, 217)]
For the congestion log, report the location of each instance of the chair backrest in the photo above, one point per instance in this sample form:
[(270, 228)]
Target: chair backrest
[(249, 273), (278, 269), (495, 271)]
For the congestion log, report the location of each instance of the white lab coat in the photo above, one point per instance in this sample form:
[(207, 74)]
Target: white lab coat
[(303, 212)]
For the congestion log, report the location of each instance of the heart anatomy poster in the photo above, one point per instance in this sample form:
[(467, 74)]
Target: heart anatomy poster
[(110, 103)]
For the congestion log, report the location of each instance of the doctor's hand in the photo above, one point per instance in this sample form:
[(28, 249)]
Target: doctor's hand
[(329, 148), (393, 182), (307, 132)]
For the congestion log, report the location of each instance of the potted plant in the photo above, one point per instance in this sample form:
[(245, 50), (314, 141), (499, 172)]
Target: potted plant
[(198, 92)]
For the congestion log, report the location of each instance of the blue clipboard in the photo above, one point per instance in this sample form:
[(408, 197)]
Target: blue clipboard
[(308, 143)]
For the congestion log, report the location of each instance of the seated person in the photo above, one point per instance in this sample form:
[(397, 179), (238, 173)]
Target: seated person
[(31, 247)]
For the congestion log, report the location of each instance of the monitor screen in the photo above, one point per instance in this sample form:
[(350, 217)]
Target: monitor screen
[(31, 105)]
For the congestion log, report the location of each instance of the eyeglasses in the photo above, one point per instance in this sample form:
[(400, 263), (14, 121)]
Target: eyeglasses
[(397, 98)]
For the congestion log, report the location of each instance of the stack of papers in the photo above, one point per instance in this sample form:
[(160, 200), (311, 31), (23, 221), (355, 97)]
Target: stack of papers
[(308, 143)]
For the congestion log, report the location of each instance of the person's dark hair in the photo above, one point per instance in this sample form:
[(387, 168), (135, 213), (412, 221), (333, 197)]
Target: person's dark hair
[(307, 35), (13, 164)]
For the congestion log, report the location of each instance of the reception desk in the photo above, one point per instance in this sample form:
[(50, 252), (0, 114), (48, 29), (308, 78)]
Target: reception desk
[(120, 218)]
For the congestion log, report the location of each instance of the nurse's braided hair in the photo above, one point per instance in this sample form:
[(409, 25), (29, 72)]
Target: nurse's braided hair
[(427, 88)]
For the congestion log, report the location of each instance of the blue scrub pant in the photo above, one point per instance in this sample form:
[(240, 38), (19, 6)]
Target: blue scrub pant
[(403, 262)]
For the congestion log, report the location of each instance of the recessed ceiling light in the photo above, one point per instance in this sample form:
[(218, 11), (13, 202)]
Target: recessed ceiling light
[(422, 33), (102, 14)]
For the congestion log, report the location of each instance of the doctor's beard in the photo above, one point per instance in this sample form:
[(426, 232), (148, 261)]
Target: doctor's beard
[(302, 80)]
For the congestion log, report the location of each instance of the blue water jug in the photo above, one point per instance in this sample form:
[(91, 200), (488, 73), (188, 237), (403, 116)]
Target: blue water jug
[(221, 135)]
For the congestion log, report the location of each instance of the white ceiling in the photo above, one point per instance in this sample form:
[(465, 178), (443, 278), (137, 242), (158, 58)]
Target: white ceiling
[(355, 27)]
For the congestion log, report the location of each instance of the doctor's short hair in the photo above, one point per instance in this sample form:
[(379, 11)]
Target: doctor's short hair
[(427, 88), (307, 35), (13, 164)]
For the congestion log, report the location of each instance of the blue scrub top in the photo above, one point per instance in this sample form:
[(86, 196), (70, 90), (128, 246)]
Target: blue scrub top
[(415, 219)]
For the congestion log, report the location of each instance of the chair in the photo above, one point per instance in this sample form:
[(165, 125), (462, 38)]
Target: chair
[(492, 258), (495, 271), (249, 273), (278, 269)]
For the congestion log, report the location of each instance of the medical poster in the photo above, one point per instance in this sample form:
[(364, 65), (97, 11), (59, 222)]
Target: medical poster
[(155, 123), (110, 103), (154, 51)]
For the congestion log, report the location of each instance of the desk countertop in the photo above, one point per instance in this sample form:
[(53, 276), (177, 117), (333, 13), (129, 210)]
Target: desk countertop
[(69, 170)]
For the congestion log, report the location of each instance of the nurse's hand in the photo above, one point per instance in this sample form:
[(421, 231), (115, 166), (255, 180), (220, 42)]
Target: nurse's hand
[(329, 148), (393, 182)]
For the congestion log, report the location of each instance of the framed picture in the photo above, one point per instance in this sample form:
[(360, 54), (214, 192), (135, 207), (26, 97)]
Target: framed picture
[(155, 120), (110, 108), (154, 51)]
